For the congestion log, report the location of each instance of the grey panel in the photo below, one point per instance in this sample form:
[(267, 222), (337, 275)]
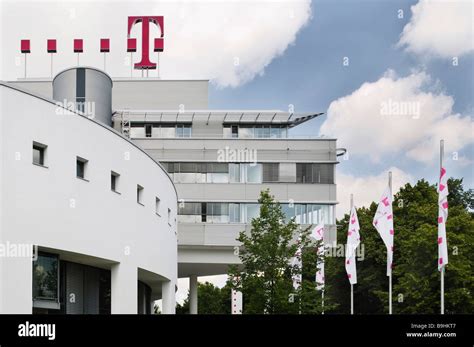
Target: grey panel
[(74, 289), (91, 290)]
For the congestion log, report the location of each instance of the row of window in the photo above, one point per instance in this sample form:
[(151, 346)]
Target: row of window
[(194, 172), (255, 131), (223, 212), (39, 158), (140, 130)]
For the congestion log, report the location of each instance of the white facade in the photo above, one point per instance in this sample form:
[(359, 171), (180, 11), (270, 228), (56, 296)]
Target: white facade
[(171, 122), (82, 220)]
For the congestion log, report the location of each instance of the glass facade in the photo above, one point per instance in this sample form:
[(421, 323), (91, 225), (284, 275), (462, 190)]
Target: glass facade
[(140, 130), (193, 172), (223, 212), (63, 287), (255, 131), (46, 278)]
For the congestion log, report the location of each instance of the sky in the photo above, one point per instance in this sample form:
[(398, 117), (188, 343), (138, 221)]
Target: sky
[(392, 77)]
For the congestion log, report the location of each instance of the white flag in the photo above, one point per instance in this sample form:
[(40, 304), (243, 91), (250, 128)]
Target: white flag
[(353, 240), (318, 234), (383, 222), (296, 261), (442, 217)]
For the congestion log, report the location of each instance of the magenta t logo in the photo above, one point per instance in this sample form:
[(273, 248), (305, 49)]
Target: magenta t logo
[(145, 63)]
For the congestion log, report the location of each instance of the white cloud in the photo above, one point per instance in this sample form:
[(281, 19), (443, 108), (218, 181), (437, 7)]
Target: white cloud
[(397, 115), (229, 42), (440, 28), (366, 189)]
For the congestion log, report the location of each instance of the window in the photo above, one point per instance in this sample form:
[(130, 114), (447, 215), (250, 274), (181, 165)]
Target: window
[(39, 153), (168, 131), (255, 131), (140, 194), (45, 278), (183, 130), (137, 132), (148, 130), (315, 173), (190, 212), (217, 212), (234, 172), (114, 181), (253, 173), (157, 205), (270, 172), (81, 165), (169, 216), (217, 173)]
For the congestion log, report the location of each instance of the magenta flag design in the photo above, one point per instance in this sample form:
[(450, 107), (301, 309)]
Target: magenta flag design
[(318, 234), (296, 262), (442, 217), (383, 222), (353, 241)]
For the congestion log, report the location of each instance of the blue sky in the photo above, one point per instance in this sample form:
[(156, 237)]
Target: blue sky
[(310, 74)]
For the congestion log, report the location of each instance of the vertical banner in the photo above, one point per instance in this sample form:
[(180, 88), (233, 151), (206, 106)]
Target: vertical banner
[(237, 301)]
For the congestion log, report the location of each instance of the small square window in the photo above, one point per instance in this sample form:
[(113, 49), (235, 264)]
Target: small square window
[(81, 166), (157, 205), (114, 181), (140, 194), (39, 153), (169, 216)]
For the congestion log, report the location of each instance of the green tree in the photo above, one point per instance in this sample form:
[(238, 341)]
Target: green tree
[(416, 280), (267, 272), (211, 300)]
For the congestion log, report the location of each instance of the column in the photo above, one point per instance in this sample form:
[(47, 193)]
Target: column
[(168, 292), (193, 294), (124, 288)]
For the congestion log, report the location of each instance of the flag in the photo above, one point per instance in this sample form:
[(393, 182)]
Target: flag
[(442, 217), (317, 234), (353, 240), (383, 222), (296, 261)]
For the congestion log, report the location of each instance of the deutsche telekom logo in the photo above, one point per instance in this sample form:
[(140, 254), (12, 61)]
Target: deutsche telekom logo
[(145, 63)]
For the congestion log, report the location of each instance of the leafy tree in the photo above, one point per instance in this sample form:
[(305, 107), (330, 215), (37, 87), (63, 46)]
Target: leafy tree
[(416, 280), (267, 272), (211, 300)]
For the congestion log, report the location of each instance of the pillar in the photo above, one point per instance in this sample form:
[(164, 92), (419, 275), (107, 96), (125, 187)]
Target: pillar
[(193, 294), (168, 292), (124, 289)]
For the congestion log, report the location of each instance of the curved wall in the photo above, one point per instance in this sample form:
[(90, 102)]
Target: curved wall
[(51, 207), (91, 86)]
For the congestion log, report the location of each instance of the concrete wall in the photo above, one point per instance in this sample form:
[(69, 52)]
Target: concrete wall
[(50, 207), (141, 94), (152, 94), (268, 150)]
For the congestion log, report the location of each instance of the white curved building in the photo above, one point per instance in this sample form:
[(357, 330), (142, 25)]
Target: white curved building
[(218, 160), (101, 211)]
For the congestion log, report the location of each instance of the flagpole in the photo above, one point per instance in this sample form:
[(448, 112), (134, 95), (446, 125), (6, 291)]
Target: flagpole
[(441, 155), (352, 286), (390, 277)]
